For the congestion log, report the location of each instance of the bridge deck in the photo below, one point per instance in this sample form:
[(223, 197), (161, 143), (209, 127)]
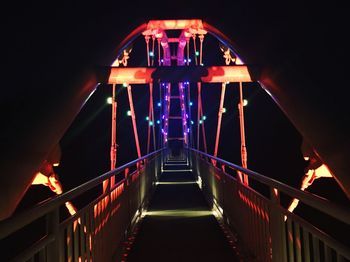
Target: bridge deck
[(179, 225)]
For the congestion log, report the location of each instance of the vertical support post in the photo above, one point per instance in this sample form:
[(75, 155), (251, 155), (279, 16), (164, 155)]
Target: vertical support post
[(201, 116), (195, 48), (133, 117), (153, 38), (277, 228), (113, 153), (241, 123), (147, 37), (188, 50), (199, 88), (166, 111), (152, 115), (201, 38), (184, 114), (159, 61), (160, 135), (189, 113), (54, 249), (221, 109), (151, 120)]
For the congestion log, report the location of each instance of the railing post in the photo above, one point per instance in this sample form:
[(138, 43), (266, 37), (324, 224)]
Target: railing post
[(277, 228), (54, 249)]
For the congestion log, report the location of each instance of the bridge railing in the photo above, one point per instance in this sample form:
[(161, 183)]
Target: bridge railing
[(96, 230), (267, 229)]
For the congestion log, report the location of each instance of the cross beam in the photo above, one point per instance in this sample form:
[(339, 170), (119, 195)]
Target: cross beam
[(144, 75)]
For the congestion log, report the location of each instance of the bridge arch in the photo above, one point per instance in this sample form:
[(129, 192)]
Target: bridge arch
[(15, 186)]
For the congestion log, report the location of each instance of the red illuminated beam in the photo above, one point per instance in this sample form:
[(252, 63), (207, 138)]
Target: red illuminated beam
[(143, 75)]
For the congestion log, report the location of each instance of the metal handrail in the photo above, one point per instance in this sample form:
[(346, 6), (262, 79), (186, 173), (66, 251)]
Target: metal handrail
[(337, 211), (16, 222)]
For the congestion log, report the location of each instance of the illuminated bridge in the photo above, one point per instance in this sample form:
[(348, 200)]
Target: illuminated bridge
[(178, 200)]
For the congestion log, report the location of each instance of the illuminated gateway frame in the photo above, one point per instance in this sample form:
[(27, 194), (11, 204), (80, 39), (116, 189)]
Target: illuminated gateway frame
[(164, 69), (173, 71)]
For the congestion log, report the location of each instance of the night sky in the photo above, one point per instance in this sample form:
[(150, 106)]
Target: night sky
[(52, 43)]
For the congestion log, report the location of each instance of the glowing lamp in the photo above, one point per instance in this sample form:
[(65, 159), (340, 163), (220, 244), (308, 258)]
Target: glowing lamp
[(159, 104), (197, 53), (151, 53), (192, 122), (200, 121), (191, 104), (158, 122), (125, 84), (204, 118), (224, 110), (109, 100), (245, 102), (128, 113), (147, 118), (151, 123)]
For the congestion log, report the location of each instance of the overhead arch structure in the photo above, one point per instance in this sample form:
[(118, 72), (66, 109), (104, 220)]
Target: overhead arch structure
[(27, 150)]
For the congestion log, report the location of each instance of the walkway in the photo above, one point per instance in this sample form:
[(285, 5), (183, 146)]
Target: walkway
[(179, 225)]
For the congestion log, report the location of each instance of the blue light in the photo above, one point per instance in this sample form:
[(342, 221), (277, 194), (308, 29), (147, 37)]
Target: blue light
[(185, 60), (204, 117), (151, 123), (158, 122), (192, 122), (147, 118), (159, 104), (191, 104), (188, 130), (189, 60), (197, 53), (151, 53)]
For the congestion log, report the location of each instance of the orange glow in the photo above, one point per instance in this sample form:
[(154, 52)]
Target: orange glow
[(143, 75), (55, 187), (71, 209), (175, 24), (40, 179), (131, 75), (135, 176), (308, 179), (223, 74), (275, 191), (254, 206)]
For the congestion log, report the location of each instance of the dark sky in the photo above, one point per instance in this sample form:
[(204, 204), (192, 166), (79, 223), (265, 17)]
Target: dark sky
[(47, 44), (64, 36)]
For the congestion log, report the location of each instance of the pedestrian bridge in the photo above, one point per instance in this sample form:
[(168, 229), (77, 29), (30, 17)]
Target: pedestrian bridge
[(177, 203), (178, 208)]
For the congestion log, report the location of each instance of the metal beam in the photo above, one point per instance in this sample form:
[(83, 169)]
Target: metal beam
[(211, 74)]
